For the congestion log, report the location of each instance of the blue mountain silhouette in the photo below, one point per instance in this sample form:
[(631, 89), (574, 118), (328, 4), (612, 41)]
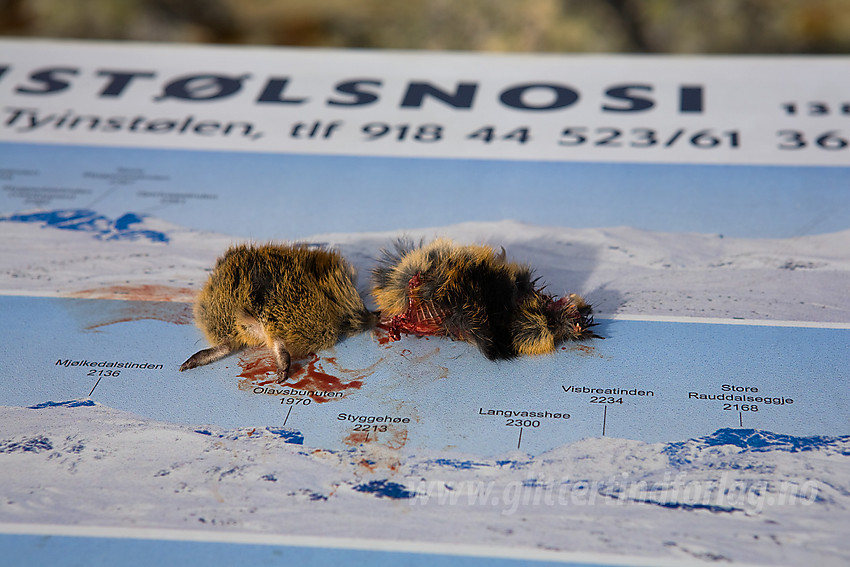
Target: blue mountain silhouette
[(753, 440), (87, 220), (758, 440)]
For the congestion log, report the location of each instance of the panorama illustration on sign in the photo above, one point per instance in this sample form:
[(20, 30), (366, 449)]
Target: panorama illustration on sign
[(705, 419)]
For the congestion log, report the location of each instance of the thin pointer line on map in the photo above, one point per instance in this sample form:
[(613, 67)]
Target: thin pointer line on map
[(287, 416), (604, 419), (519, 441), (98, 382), (102, 196)]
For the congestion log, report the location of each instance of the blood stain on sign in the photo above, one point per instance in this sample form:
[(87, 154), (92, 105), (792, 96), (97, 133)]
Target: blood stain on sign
[(382, 334), (93, 314), (140, 292), (357, 438), (258, 371), (379, 448), (311, 376), (583, 350), (397, 438), (394, 438)]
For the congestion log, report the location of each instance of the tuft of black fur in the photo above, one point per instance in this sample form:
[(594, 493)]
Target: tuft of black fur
[(473, 293)]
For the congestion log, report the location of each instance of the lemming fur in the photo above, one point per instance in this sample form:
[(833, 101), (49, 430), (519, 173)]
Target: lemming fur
[(472, 293), (289, 297)]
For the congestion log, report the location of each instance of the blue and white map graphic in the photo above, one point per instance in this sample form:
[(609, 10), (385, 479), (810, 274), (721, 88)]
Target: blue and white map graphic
[(710, 424)]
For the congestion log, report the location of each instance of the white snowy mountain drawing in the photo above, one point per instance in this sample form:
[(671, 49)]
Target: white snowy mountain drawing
[(734, 495), (622, 271)]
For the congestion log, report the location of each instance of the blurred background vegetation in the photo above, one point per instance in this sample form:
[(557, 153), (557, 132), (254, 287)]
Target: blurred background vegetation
[(657, 26)]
